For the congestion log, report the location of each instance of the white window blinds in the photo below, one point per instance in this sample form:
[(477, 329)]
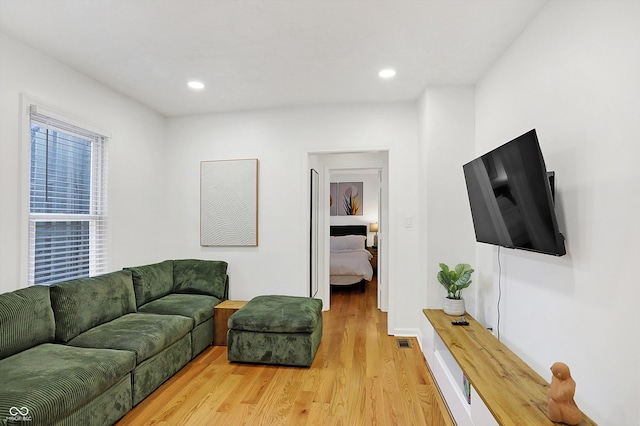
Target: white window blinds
[(68, 201)]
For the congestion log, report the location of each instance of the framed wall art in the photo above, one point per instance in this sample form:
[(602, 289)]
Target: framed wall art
[(349, 199), (229, 203)]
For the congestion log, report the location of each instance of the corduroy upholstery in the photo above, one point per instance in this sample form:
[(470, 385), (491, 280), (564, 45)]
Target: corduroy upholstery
[(26, 320), (80, 352), (200, 277), (151, 282), (84, 303), (154, 371), (198, 307), (106, 409), (282, 330), (52, 381), (201, 337), (198, 286), (278, 314), (143, 334)]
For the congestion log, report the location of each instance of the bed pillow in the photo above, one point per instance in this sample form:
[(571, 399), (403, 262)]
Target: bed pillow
[(347, 242)]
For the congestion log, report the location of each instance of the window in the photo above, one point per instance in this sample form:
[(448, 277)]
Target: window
[(67, 201)]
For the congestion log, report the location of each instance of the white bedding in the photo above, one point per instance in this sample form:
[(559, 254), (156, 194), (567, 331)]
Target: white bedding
[(350, 266)]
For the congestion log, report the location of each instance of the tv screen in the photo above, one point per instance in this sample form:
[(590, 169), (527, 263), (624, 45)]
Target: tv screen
[(511, 200)]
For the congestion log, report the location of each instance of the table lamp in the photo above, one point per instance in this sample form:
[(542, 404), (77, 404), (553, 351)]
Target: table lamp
[(373, 227)]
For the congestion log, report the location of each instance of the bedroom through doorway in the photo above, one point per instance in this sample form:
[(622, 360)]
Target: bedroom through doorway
[(357, 181)]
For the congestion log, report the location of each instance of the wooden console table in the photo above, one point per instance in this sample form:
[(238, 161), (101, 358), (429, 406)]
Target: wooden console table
[(511, 390), (221, 314)]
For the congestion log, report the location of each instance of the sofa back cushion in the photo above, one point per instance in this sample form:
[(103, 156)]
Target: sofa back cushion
[(200, 276), (151, 282), (81, 304), (26, 320)]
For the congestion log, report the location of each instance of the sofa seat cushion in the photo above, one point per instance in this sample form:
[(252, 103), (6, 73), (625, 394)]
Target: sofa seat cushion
[(278, 314), (144, 334), (151, 282), (53, 380), (199, 307)]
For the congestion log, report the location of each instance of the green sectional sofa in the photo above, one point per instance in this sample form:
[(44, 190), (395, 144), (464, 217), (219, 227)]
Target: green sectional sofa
[(84, 352)]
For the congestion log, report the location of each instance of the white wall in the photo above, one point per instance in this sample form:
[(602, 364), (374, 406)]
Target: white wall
[(573, 75), (281, 139), (136, 184), (447, 142)]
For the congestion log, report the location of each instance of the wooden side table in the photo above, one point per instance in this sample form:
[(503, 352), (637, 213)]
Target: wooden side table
[(374, 260), (221, 314)]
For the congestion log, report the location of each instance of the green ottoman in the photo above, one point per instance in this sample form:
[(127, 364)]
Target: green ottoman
[(283, 330)]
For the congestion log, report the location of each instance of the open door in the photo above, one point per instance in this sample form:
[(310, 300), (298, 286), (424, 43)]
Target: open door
[(314, 211)]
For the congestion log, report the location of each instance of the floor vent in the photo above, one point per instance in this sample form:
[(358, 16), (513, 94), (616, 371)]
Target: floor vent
[(403, 343)]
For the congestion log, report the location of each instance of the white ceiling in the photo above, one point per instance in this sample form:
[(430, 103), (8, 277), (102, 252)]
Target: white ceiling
[(269, 53)]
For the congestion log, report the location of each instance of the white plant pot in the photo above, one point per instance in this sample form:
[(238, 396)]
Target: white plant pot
[(454, 306)]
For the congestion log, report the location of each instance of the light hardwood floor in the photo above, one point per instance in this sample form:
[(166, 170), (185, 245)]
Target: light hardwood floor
[(358, 377)]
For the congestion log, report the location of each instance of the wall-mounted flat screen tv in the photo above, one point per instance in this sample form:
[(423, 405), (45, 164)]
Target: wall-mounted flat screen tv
[(511, 198)]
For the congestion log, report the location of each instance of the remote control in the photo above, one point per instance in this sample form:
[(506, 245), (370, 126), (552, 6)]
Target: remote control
[(461, 322)]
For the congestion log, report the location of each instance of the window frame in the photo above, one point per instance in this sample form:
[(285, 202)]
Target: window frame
[(97, 216)]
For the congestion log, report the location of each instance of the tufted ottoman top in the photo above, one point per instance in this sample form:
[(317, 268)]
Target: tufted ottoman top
[(278, 314)]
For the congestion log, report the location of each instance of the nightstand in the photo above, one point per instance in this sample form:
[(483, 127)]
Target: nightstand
[(374, 260)]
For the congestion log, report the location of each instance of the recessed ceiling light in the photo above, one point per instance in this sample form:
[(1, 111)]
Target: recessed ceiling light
[(387, 73), (197, 85)]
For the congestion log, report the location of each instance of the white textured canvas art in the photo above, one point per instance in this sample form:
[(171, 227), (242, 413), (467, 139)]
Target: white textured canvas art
[(229, 203)]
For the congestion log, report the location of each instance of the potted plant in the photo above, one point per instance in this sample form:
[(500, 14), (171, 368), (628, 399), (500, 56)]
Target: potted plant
[(454, 281)]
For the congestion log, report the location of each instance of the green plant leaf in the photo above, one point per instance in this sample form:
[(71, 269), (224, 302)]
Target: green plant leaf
[(455, 280)]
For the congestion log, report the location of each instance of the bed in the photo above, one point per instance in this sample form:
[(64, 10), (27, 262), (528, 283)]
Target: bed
[(349, 262)]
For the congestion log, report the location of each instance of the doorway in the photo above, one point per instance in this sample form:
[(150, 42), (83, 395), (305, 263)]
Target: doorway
[(370, 168)]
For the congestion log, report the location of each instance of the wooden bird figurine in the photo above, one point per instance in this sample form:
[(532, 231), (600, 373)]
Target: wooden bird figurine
[(562, 407)]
